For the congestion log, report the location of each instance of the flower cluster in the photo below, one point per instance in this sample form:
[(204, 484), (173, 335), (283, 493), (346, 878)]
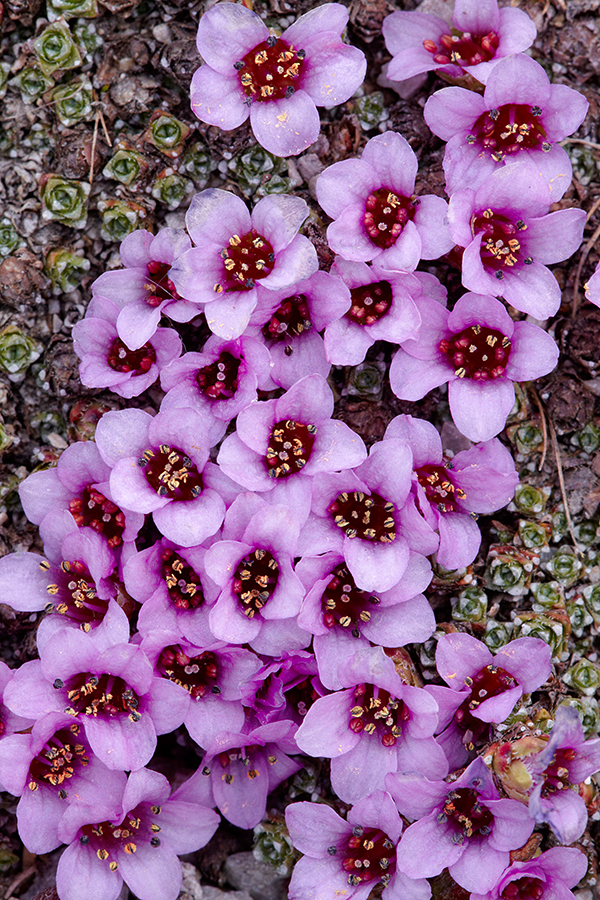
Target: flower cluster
[(233, 560)]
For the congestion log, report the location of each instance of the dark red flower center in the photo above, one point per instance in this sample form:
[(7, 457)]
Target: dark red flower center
[(386, 214), (344, 604), (508, 129), (171, 473), (270, 71), (254, 580), (463, 48), (122, 359), (370, 302), (58, 761), (219, 380), (290, 446), (197, 674), (368, 855), (74, 594), (94, 510), (375, 711), (159, 285), (439, 488), (367, 516), (300, 697), (105, 839), (500, 246), (240, 759), (466, 814), (477, 352), (556, 776), (94, 695), (488, 682), (183, 583), (289, 321), (246, 260), (525, 888)]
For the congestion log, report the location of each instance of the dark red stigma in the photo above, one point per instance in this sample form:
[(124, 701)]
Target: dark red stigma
[(219, 380), (270, 71), (368, 856), (370, 303), (344, 604), (122, 359), (197, 674), (246, 260), (159, 286), (386, 214), (183, 583), (93, 509), (463, 48)]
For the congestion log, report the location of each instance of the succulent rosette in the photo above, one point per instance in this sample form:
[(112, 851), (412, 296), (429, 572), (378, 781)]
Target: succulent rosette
[(463, 825), (160, 465), (549, 875), (253, 565), (289, 320), (509, 239), (280, 445), (478, 36), (375, 725), (480, 351), (143, 290), (592, 287), (237, 254), (377, 216), (449, 492), (132, 833), (276, 81), (520, 118), (218, 382), (349, 858)]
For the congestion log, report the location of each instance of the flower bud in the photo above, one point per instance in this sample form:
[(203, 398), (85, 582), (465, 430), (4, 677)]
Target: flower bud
[(507, 765)]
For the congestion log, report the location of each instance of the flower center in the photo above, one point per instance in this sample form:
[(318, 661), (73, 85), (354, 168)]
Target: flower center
[(239, 757), (75, 594), (370, 302), (377, 712), (556, 776), (508, 129), (477, 352), (122, 359), (159, 286), (171, 473), (301, 697), (183, 583), (197, 674), (369, 855), (105, 839), (344, 604), (489, 682), (255, 579), (58, 761), (469, 818), (463, 48), (524, 889), (368, 517), (290, 446), (92, 695), (500, 247), (289, 321), (270, 71), (386, 214), (94, 510), (439, 489), (219, 380), (246, 260)]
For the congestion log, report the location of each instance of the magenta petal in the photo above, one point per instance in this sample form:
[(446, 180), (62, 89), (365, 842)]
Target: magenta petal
[(555, 237), (344, 184), (533, 290), (226, 33), (189, 523), (324, 730), (479, 867), (453, 110), (394, 160), (217, 214), (80, 874), (229, 314), (218, 99), (460, 540), (529, 660), (348, 237), (151, 875), (426, 847), (533, 353), (286, 127), (512, 824), (121, 743), (411, 379), (314, 826), (376, 567), (480, 408), (334, 71), (460, 656), (477, 18)]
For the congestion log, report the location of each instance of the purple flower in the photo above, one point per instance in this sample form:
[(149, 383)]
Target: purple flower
[(509, 240), (289, 325), (132, 834), (283, 689), (592, 287), (547, 876), (107, 361), (557, 770), (280, 445), (9, 721), (462, 825), (343, 618), (376, 214), (218, 382), (143, 290), (276, 81), (480, 351), (238, 255), (160, 466), (478, 36), (449, 492), (484, 688), (111, 693), (253, 565), (376, 725), (520, 117), (348, 859)]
